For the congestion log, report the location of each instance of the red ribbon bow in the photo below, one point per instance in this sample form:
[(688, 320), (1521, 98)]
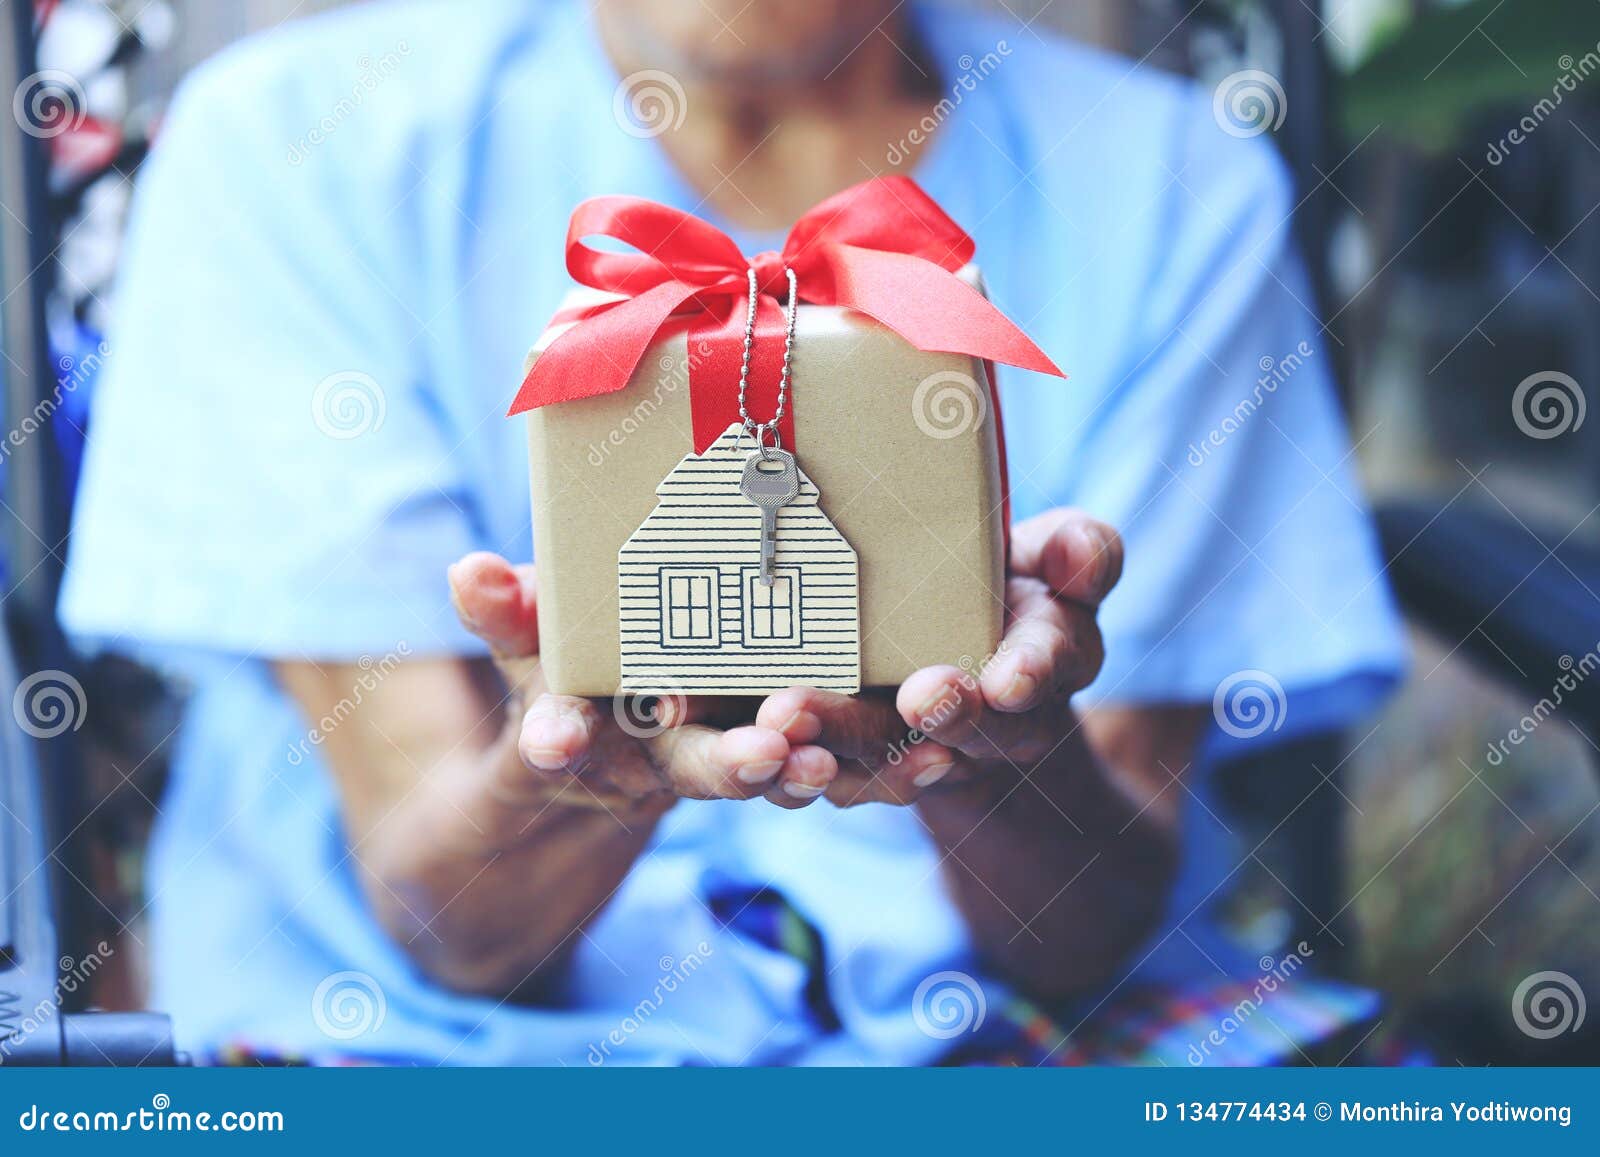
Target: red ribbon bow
[(882, 247)]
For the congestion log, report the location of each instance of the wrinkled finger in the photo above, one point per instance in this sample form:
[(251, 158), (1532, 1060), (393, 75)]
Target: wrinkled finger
[(852, 786), (566, 738), (946, 705), (503, 796), (555, 742), (919, 767), (942, 703), (704, 763), (863, 727), (1051, 649), (558, 733), (1078, 557), (805, 775), (497, 602)]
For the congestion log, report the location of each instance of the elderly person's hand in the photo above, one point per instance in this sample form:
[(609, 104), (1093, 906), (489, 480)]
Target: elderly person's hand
[(959, 725), (1057, 834), (488, 835), (624, 752)]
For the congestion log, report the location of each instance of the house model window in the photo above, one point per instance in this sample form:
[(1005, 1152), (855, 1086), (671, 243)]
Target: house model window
[(772, 613), (690, 598)]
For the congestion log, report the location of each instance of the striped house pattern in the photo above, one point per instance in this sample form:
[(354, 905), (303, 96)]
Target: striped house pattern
[(695, 617)]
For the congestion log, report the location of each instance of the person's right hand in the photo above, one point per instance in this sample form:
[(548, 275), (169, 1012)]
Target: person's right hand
[(490, 829), (618, 754)]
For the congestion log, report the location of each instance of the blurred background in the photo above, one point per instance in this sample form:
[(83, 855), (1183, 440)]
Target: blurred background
[(1448, 158)]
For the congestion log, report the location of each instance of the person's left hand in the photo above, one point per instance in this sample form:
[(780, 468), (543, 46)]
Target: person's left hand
[(948, 725)]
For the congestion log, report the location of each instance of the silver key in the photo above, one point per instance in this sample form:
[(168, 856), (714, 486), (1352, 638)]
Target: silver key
[(771, 481)]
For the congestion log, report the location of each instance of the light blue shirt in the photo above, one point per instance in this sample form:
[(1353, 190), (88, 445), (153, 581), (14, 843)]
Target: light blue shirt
[(378, 199)]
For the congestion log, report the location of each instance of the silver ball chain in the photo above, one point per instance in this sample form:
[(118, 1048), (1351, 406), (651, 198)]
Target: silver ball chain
[(761, 429)]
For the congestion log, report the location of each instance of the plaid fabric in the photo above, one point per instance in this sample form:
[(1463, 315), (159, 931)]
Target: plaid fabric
[(1226, 1023)]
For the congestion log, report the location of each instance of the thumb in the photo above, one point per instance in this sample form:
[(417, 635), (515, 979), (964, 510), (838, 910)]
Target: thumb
[(497, 602), (1078, 557)]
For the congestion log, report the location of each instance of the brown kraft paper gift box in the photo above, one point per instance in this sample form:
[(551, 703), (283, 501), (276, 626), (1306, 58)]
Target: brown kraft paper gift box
[(901, 443)]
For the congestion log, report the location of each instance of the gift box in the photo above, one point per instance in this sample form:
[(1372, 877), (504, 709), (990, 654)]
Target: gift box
[(890, 554)]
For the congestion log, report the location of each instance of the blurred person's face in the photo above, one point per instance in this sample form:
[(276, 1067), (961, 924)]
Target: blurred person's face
[(745, 42)]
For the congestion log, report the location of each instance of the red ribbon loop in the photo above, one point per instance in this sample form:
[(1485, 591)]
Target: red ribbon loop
[(882, 247)]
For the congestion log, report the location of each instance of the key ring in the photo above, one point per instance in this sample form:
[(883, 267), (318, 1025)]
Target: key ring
[(760, 430)]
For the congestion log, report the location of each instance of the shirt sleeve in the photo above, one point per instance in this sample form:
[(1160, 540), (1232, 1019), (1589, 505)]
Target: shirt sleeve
[(1253, 579), (267, 473)]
